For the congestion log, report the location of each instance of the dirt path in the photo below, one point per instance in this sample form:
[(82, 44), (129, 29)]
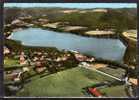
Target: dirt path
[(98, 65)]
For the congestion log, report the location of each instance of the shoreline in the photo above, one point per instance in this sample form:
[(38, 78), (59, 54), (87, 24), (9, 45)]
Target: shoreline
[(56, 27), (77, 30), (33, 48)]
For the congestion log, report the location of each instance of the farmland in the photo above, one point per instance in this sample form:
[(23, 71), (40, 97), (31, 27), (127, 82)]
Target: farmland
[(67, 83)]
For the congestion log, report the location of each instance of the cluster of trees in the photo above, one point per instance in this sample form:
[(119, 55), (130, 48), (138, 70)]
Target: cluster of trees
[(11, 14), (113, 19), (119, 19)]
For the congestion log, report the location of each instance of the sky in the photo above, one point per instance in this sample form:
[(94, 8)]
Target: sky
[(73, 5)]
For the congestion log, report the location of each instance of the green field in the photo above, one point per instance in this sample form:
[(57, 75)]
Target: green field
[(10, 62), (115, 91), (66, 83), (118, 72)]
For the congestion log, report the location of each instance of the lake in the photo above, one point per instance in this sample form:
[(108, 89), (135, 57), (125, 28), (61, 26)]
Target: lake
[(110, 49)]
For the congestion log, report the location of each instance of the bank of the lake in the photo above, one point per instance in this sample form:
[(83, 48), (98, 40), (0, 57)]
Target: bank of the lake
[(113, 50), (22, 23)]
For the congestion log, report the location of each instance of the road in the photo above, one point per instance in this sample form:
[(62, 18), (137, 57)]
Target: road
[(88, 67)]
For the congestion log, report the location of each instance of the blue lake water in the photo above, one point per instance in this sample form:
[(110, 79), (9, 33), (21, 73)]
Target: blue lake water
[(110, 49)]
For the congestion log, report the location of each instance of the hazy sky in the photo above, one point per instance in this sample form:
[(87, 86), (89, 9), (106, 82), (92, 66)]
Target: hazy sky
[(73, 5)]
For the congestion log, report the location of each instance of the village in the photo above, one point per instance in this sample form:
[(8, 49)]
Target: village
[(41, 62), (30, 64)]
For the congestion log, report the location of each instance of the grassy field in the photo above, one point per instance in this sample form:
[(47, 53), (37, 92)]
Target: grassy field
[(115, 72), (10, 62), (66, 83), (115, 91)]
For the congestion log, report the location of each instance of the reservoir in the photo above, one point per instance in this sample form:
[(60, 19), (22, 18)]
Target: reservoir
[(110, 49)]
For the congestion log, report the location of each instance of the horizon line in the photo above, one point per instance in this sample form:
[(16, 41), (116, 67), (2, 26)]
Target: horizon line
[(71, 5)]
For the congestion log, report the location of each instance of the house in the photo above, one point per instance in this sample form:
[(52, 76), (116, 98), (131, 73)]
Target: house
[(18, 77), (90, 59), (133, 81), (26, 69), (39, 66), (43, 20), (35, 59), (19, 23), (80, 57), (22, 59), (95, 92), (6, 50)]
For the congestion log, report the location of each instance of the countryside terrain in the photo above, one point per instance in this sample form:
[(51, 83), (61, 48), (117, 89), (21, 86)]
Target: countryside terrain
[(64, 73)]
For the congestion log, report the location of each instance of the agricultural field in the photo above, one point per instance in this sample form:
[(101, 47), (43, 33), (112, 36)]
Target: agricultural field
[(118, 72), (68, 83), (10, 62)]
